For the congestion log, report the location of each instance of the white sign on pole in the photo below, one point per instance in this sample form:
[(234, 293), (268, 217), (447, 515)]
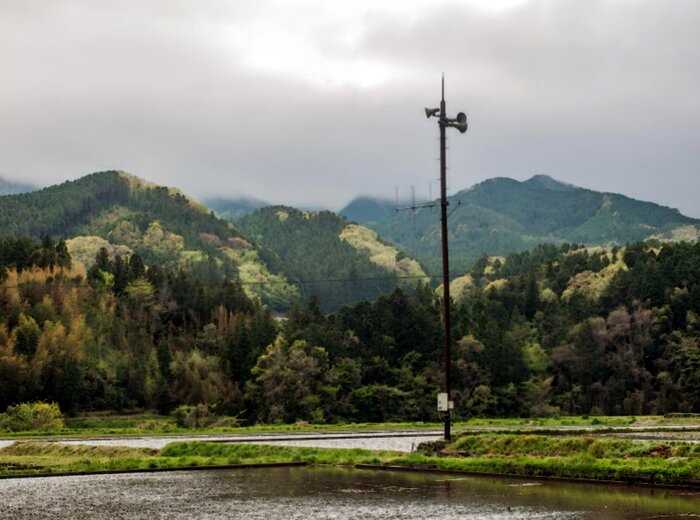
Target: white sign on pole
[(442, 402)]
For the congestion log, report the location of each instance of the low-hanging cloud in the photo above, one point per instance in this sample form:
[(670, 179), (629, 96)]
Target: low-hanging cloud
[(312, 103)]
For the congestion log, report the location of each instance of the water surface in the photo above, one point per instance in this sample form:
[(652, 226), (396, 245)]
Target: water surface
[(329, 493)]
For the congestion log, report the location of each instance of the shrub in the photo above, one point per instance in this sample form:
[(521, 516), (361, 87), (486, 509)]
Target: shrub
[(198, 416), (32, 416)]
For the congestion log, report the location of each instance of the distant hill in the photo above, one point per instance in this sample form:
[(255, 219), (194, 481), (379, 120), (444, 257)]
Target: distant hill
[(368, 209), (234, 208), (125, 214), (323, 248), (502, 216), (8, 187)]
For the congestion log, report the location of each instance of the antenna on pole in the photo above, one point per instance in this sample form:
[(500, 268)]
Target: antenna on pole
[(443, 87)]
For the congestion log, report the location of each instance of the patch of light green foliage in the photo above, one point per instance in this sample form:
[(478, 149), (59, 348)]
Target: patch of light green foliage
[(381, 253), (259, 282), (84, 249)]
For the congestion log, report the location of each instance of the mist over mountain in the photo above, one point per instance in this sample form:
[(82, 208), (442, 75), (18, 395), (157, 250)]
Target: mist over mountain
[(9, 187), (235, 207)]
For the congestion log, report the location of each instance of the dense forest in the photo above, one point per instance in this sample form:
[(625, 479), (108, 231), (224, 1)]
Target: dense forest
[(556, 330)]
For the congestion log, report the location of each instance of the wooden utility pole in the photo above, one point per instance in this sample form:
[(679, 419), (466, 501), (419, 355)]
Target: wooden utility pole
[(445, 403)]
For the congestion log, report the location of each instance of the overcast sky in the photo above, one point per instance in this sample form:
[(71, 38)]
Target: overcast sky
[(315, 101)]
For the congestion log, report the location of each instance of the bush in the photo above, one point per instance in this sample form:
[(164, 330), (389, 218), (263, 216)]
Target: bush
[(32, 416), (198, 416)]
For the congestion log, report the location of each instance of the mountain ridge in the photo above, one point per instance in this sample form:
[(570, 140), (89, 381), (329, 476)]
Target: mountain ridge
[(502, 215), (270, 253), (126, 215)]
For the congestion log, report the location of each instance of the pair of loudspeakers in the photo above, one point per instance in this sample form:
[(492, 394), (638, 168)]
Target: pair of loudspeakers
[(459, 122)]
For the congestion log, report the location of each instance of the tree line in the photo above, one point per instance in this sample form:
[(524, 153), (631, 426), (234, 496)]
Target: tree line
[(556, 330)]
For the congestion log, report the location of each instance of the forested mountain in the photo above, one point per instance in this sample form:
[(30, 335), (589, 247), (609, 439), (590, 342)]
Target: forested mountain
[(336, 262), (8, 187), (125, 215), (281, 254), (234, 208), (501, 216), (275, 252)]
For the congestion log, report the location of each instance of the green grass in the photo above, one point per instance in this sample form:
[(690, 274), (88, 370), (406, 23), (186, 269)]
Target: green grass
[(577, 457), (544, 446), (36, 458), (554, 421)]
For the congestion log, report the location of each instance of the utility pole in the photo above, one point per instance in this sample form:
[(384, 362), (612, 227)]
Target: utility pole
[(445, 403)]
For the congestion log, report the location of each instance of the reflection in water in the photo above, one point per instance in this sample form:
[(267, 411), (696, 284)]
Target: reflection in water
[(329, 493)]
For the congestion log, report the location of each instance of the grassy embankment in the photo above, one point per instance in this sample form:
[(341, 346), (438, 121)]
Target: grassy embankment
[(591, 458), (575, 457), (152, 425)]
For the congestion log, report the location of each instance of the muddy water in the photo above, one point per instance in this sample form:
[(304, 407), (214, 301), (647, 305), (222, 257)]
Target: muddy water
[(325, 493)]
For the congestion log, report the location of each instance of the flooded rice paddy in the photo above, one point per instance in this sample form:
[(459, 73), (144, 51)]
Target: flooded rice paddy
[(329, 493)]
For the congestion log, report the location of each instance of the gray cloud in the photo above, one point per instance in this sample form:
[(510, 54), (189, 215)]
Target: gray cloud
[(308, 105)]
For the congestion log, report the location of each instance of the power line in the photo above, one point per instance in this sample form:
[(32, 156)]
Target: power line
[(345, 280), (300, 282)]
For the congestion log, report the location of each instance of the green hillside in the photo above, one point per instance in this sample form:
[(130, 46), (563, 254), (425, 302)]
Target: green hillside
[(128, 215), (321, 251), (501, 216)]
